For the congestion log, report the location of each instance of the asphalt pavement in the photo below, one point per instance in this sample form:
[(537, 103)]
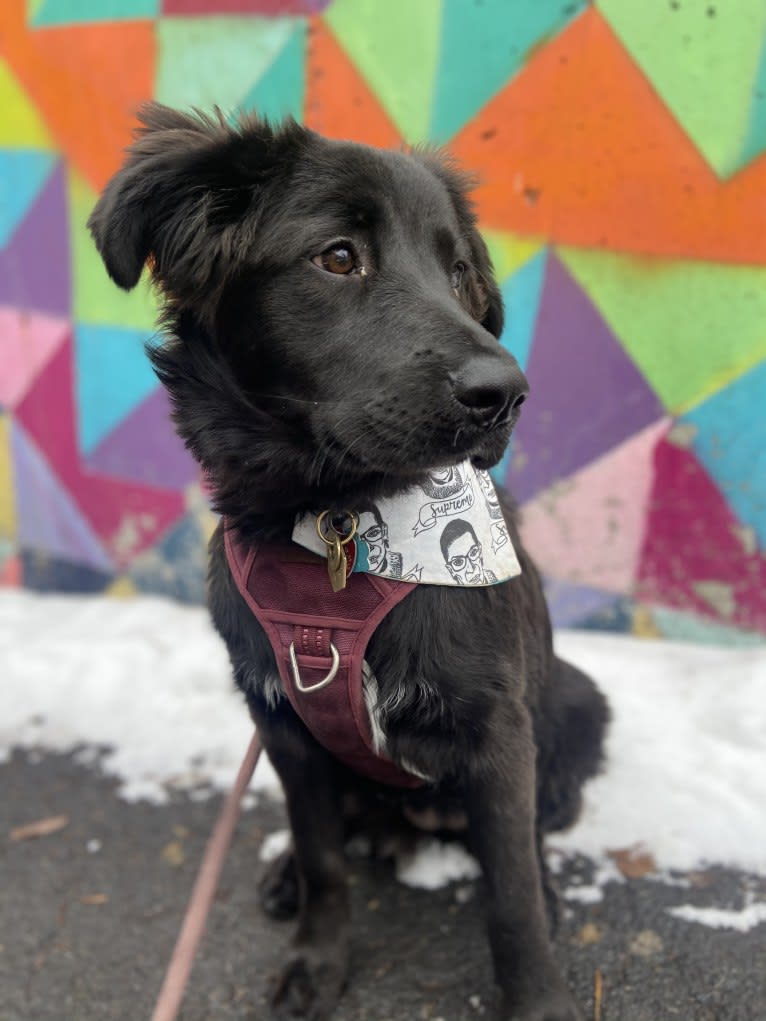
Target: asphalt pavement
[(89, 914)]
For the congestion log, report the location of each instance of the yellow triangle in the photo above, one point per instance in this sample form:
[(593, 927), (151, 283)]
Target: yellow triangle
[(644, 625), (122, 588), (21, 126), (509, 251), (7, 503)]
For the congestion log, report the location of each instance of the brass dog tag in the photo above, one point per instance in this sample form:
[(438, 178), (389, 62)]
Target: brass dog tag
[(339, 562), (336, 564)]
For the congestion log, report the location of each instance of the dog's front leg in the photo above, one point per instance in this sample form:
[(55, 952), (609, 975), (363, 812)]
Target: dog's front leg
[(501, 813), (315, 972)]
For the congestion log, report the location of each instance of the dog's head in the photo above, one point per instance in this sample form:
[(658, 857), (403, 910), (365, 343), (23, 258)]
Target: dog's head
[(330, 310)]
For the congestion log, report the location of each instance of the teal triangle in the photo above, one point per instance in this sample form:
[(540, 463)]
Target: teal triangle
[(23, 172), (113, 377), (281, 89), (521, 296), (755, 140), (483, 44), (215, 60), (67, 12)]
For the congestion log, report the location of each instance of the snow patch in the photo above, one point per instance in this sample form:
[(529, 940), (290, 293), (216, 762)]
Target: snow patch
[(143, 686), (144, 680), (434, 864), (274, 844), (719, 918), (686, 753)]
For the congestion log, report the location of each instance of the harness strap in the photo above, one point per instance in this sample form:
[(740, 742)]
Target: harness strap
[(319, 638)]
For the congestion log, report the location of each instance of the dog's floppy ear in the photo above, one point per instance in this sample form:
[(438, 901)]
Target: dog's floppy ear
[(182, 194), (483, 295)]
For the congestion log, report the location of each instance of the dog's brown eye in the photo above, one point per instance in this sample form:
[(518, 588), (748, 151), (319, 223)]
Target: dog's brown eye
[(457, 275), (338, 259)]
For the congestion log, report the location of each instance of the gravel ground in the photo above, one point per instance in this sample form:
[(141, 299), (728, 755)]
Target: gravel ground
[(89, 914)]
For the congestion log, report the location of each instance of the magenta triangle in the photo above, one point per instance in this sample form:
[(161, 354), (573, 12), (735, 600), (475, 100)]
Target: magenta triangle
[(696, 555), (586, 395), (49, 520), (127, 453), (35, 264)]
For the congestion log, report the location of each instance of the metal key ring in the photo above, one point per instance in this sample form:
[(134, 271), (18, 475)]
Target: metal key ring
[(330, 676), (343, 540)]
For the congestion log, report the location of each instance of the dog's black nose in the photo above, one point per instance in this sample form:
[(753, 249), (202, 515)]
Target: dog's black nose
[(491, 388)]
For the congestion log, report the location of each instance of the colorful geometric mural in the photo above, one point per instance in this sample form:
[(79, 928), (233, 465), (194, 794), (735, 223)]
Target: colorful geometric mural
[(620, 150)]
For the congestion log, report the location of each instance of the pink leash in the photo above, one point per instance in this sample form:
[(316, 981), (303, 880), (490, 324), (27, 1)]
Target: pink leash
[(200, 902)]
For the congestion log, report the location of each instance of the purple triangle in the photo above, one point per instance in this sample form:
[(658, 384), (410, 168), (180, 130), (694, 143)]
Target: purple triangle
[(586, 395), (570, 604), (145, 448), (34, 266), (49, 520)]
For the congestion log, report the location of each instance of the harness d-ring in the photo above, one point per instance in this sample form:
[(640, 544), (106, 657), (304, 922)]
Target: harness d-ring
[(325, 680)]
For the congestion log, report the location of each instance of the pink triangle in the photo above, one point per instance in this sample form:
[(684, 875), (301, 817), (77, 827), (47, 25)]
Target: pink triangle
[(29, 340), (696, 555), (48, 518), (128, 517), (11, 573), (588, 529)]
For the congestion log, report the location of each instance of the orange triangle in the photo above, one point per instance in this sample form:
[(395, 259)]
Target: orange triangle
[(86, 81), (579, 148), (339, 103)]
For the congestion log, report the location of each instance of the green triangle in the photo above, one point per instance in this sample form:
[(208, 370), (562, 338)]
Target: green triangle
[(96, 298), (395, 45), (702, 57), (33, 6), (690, 327), (214, 61), (280, 91)]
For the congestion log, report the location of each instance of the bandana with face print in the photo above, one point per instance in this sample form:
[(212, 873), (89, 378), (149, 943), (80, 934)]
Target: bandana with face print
[(449, 531)]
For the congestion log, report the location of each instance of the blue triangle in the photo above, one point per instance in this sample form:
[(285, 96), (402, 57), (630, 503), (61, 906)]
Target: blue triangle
[(521, 296), (484, 43), (113, 377), (281, 90), (44, 573), (175, 567), (23, 172)]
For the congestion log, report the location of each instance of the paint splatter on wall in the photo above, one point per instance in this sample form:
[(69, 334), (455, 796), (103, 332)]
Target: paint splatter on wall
[(620, 151)]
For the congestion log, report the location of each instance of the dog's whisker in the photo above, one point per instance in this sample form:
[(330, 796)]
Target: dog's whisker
[(296, 400)]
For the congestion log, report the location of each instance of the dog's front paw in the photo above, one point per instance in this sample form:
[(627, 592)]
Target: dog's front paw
[(278, 887), (311, 982)]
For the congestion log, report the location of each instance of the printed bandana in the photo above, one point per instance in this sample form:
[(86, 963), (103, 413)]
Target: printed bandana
[(449, 531)]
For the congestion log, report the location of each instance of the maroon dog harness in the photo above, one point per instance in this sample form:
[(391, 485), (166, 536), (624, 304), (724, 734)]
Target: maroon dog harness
[(319, 638)]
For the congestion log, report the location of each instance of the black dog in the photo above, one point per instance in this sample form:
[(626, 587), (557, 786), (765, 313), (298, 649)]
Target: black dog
[(331, 325)]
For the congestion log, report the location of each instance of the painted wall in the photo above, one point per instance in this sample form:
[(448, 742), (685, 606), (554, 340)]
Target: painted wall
[(620, 148)]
